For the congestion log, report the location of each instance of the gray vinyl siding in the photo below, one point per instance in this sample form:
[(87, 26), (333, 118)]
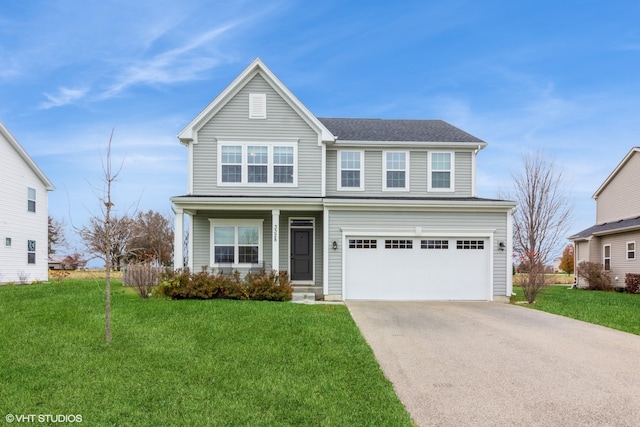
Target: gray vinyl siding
[(418, 176), (202, 238), (620, 265), (620, 199), (282, 122), (428, 220)]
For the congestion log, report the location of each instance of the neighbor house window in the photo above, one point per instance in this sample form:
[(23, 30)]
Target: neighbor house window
[(256, 164), (31, 199), (235, 242), (631, 250), (7, 242), (606, 257), (350, 175), (395, 168), (31, 251), (441, 171)]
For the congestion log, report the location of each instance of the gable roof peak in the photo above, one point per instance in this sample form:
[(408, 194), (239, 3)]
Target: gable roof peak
[(257, 66), (613, 174), (26, 157)]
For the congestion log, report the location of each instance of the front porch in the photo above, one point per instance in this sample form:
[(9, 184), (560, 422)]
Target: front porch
[(227, 238)]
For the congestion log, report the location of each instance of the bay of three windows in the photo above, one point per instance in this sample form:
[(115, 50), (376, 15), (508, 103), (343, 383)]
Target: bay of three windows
[(249, 163), (395, 170)]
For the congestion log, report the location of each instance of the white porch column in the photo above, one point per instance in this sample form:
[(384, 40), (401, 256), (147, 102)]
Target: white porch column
[(275, 239), (178, 232)]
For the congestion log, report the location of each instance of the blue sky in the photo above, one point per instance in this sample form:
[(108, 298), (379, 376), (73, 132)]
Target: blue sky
[(558, 77)]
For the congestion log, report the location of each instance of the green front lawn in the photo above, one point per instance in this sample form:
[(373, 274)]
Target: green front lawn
[(612, 309), (186, 362)]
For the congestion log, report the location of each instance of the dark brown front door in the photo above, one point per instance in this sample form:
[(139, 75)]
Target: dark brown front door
[(302, 254)]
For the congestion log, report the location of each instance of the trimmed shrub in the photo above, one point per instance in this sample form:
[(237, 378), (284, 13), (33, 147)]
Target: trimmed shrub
[(633, 283), (594, 273), (182, 284)]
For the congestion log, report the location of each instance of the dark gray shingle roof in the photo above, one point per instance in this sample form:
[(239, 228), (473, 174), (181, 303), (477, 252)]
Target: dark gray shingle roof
[(396, 130), (608, 227)]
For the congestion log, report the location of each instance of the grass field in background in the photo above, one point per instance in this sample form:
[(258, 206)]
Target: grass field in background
[(186, 362)]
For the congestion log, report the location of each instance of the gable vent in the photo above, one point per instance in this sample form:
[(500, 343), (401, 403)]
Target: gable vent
[(257, 106)]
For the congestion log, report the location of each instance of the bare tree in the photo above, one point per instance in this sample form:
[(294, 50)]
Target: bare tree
[(152, 239), (541, 220), (95, 239), (106, 231)]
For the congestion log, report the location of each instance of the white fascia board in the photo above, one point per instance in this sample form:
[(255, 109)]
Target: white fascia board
[(382, 204), (247, 203), (411, 144), (25, 156)]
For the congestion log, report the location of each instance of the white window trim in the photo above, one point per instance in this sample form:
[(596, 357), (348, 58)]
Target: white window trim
[(634, 251), (604, 257), (34, 200), (235, 223), (34, 252), (385, 170), (339, 169), (452, 171), (245, 165), (257, 105)]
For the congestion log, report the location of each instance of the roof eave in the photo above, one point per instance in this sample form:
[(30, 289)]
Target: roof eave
[(615, 171)]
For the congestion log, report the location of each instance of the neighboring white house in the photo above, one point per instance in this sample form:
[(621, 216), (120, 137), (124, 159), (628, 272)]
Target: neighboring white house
[(23, 214), (351, 208)]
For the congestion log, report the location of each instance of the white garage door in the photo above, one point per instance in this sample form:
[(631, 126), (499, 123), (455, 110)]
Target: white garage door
[(396, 268)]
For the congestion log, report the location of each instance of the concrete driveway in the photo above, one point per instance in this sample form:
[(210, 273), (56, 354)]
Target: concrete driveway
[(481, 364)]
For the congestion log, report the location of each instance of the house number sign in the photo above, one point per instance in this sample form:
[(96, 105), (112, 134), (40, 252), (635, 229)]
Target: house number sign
[(275, 233)]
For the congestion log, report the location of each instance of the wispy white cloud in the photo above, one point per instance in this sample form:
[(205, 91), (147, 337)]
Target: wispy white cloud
[(172, 66), (64, 96)]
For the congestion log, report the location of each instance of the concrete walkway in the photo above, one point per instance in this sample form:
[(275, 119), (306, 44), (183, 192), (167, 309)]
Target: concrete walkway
[(492, 364)]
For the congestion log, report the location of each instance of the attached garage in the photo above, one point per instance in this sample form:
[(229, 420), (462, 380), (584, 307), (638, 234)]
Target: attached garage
[(418, 268)]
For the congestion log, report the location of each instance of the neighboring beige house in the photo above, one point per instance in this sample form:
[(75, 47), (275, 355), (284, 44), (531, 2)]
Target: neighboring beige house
[(23, 214), (352, 208), (613, 241)]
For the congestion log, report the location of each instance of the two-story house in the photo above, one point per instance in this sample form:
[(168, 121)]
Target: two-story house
[(355, 208), (23, 214), (613, 241)]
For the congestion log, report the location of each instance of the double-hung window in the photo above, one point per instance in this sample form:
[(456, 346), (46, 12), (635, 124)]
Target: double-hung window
[(441, 171), (606, 257), (631, 251), (350, 172), (31, 251), (235, 242), (396, 168), (255, 164), (31, 199)]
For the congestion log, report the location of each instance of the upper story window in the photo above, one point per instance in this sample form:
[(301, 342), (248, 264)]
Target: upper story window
[(257, 106), (631, 250), (606, 257), (31, 251), (350, 172), (256, 164), (441, 171), (395, 170), (31, 199)]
